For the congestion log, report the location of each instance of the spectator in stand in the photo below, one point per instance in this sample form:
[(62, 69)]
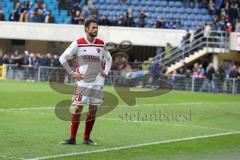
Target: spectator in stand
[(55, 61), (76, 17), (229, 27), (233, 74), (32, 17), (129, 19), (18, 8), (24, 16), (94, 12), (186, 41), (39, 16), (114, 21), (44, 8), (121, 21), (104, 21), (14, 16), (46, 60), (4, 59), (85, 11), (208, 83), (2, 16), (26, 4), (159, 23), (49, 18), (211, 7), (200, 71), (237, 28), (142, 17), (221, 75), (233, 14), (35, 7)]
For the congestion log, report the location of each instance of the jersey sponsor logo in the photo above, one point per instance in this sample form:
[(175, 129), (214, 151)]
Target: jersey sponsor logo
[(98, 50), (91, 58)]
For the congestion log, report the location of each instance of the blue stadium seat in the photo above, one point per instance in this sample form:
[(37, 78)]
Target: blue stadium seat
[(95, 1), (164, 3), (109, 7), (156, 3), (184, 16), (138, 8), (170, 16), (173, 10), (155, 15), (103, 7), (159, 9), (115, 2), (178, 16), (152, 9), (171, 3), (146, 8), (203, 11), (108, 2), (135, 14), (198, 17), (149, 3), (117, 7), (180, 10), (102, 1), (191, 16), (167, 10), (135, 2), (124, 8), (189, 10), (63, 12), (179, 4)]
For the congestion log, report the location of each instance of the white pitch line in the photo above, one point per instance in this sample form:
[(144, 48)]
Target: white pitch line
[(138, 105), (135, 145), (4, 156)]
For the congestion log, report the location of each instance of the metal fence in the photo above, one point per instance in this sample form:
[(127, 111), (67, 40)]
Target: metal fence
[(135, 78), (210, 39)]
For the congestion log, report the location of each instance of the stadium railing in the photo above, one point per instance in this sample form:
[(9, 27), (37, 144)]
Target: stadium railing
[(203, 39), (133, 78)]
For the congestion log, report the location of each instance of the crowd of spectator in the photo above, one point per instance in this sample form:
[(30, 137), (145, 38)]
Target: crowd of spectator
[(29, 12), (214, 79), (90, 10), (227, 16), (30, 59), (225, 12)]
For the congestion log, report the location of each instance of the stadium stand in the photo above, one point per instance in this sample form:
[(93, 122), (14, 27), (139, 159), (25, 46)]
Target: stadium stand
[(171, 14)]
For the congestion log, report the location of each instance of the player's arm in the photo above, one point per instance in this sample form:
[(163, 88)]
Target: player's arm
[(67, 54), (108, 60)]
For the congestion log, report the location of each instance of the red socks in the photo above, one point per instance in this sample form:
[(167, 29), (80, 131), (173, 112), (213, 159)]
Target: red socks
[(74, 125), (89, 122)]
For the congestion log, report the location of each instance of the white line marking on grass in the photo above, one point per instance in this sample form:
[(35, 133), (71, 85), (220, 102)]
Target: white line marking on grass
[(136, 145), (25, 109), (46, 108), (6, 157), (138, 105)]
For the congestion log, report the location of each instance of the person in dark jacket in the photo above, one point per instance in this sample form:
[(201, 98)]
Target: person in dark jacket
[(208, 83)]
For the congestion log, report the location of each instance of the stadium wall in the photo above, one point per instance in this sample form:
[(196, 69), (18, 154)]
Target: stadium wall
[(67, 33)]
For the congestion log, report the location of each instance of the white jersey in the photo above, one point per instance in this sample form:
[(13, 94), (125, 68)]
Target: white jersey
[(90, 58)]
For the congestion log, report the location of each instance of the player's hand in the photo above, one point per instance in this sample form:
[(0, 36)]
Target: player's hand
[(104, 74), (77, 75)]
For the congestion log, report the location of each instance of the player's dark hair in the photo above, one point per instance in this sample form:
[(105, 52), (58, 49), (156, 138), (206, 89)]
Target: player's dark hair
[(88, 21)]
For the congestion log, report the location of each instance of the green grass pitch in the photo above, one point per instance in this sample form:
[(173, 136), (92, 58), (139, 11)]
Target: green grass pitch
[(210, 129)]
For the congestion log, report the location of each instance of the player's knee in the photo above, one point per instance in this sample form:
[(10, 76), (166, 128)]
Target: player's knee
[(78, 109)]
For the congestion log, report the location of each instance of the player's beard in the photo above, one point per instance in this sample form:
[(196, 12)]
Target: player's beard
[(92, 34)]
